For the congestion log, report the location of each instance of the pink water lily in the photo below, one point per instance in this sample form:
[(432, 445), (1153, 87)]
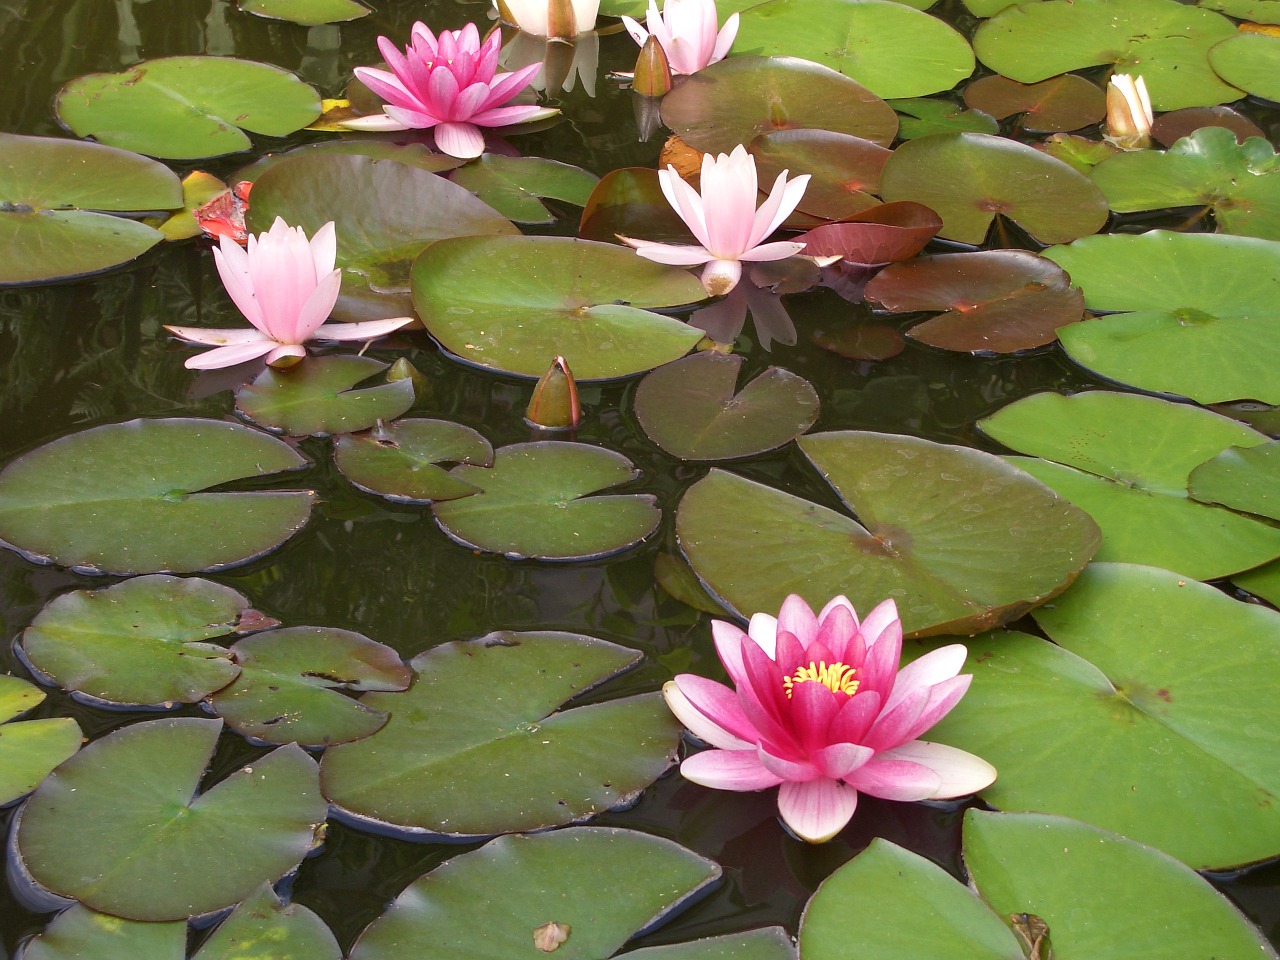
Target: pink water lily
[(823, 711), (688, 32), (286, 286), (724, 218), (450, 84)]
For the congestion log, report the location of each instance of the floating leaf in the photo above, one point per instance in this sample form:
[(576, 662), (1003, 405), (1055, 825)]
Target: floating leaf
[(309, 13), (533, 502), (673, 575), (922, 116), (78, 932), (513, 303), (400, 461), (1079, 153), (630, 202), (844, 171), (264, 928), (184, 108), (162, 849), (690, 410), (766, 943), (411, 154), (1242, 478), (513, 185), (124, 498), (318, 396), (958, 538), (883, 234), (1067, 102), (1171, 127), (30, 749), (1248, 61), (479, 745), (1262, 582)]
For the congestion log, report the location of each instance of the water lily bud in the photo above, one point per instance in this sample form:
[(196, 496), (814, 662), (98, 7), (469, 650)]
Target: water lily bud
[(554, 405), (653, 72), (562, 20), (1129, 114), (402, 369)]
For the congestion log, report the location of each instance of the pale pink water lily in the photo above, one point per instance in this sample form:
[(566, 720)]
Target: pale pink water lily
[(688, 31), (286, 286), (724, 219), (449, 83), (1129, 113), (823, 712)]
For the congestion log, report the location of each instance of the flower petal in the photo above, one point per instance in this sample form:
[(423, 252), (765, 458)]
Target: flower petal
[(893, 779), (763, 629), (230, 356), (711, 712), (840, 759), (855, 717), (934, 667), (461, 140), (797, 617), (817, 810), (365, 330), (678, 255), (219, 337), (795, 769), (960, 773), (728, 770)]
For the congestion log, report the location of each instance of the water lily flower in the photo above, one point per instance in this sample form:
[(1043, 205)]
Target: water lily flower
[(724, 219), (823, 711), (687, 31), (550, 18), (561, 64), (450, 84), (1129, 114), (286, 286)]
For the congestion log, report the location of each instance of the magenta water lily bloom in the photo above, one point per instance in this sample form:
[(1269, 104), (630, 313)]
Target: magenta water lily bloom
[(724, 219), (688, 31), (286, 286), (449, 83), (823, 712)]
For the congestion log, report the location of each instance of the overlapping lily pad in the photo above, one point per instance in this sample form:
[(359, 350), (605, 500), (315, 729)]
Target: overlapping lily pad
[(1262, 582), (79, 932), (958, 538), (184, 108), (1257, 11), (1169, 128), (54, 195), (162, 849), (401, 460), (690, 410), (1247, 60), (844, 171), (515, 303), (310, 13), (535, 502), (31, 748), (922, 116), (630, 202), (514, 185), (126, 497), (882, 234), (1067, 102), (265, 928), (1242, 478), (765, 943), (319, 396), (479, 745)]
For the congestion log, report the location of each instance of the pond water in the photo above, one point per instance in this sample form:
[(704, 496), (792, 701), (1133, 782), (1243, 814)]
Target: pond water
[(93, 352)]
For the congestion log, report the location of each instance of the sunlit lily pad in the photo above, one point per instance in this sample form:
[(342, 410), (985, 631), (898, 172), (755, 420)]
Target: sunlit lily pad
[(969, 178), (401, 460), (1067, 102), (479, 745), (997, 301), (535, 501), (183, 108), (162, 849), (79, 932), (862, 39), (1125, 459), (1248, 61), (958, 538), (690, 410), (1262, 582), (125, 497), (1242, 478), (310, 13), (1257, 11), (53, 194), (844, 170), (31, 748), (319, 396), (1205, 323), (513, 185), (515, 303), (922, 116), (289, 686), (264, 928)]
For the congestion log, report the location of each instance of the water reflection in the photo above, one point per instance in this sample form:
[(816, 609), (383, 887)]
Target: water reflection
[(565, 63)]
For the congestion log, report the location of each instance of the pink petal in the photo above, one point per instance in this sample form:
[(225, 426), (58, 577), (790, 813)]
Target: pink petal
[(960, 773), (885, 613), (686, 202), (324, 249), (721, 276), (728, 770), (729, 641), (638, 33), (855, 717), (797, 617), (942, 698), (728, 33), (763, 629), (375, 123), (792, 768), (790, 655), (729, 204), (461, 140), (410, 119), (841, 759), (230, 356), (934, 667), (711, 703), (880, 667), (233, 267), (674, 254), (290, 351), (892, 779), (219, 338), (817, 810), (506, 116), (315, 311), (778, 250), (365, 330), (505, 86), (894, 727), (386, 86), (813, 707)]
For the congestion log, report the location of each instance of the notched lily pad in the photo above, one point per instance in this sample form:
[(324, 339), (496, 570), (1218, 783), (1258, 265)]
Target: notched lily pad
[(319, 396), (516, 186), (1067, 102), (31, 748), (1248, 61), (922, 116), (844, 171), (630, 202), (1171, 127), (883, 234), (401, 460), (265, 928), (1242, 478)]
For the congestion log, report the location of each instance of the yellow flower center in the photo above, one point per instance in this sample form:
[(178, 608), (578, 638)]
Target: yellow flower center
[(838, 678)]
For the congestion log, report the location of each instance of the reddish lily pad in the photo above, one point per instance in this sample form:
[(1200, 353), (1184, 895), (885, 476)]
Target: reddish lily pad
[(1067, 102), (997, 301), (885, 233), (1242, 478), (401, 460), (318, 396), (690, 410), (630, 202), (844, 170), (29, 750), (1171, 127)]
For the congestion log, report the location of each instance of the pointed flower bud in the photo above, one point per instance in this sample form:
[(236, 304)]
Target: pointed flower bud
[(653, 72), (562, 19), (554, 405), (1129, 114)]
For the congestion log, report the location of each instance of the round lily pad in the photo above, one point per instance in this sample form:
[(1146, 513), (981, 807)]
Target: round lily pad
[(515, 303), (125, 498), (184, 108), (970, 178), (1067, 102), (54, 198), (534, 502), (630, 202), (479, 745), (79, 932), (922, 116), (997, 301), (690, 410), (141, 641), (844, 171), (1248, 61), (1171, 127), (764, 943), (310, 13), (862, 39), (290, 680), (31, 748), (319, 396), (883, 234), (265, 928), (516, 186), (958, 538), (401, 460), (1242, 478), (162, 848)]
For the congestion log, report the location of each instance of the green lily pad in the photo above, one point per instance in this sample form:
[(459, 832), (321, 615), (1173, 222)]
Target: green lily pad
[(161, 849), (922, 116), (970, 178), (124, 498), (740, 98), (1242, 478), (690, 410), (184, 108), (401, 460), (31, 748), (1164, 41), (862, 39), (674, 576), (513, 185), (1256, 11), (630, 202), (958, 538), (53, 194), (844, 171), (515, 303), (1240, 183), (289, 683), (997, 301), (1125, 459), (1205, 323), (766, 943), (411, 154), (1262, 582), (141, 641), (79, 932), (318, 396), (1067, 102), (1248, 61), (1079, 153), (264, 928), (1153, 708), (479, 745), (310, 13), (533, 502)]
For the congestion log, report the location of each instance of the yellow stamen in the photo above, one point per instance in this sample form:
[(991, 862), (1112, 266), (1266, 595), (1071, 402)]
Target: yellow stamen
[(838, 678)]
